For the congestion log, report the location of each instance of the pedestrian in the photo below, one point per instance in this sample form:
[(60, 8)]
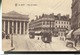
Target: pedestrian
[(38, 38), (76, 40), (7, 37), (66, 35), (3, 35)]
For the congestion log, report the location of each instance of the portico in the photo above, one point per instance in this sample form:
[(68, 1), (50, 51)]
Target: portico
[(16, 21)]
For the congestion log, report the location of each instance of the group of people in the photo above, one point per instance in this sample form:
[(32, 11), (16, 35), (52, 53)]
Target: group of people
[(6, 36)]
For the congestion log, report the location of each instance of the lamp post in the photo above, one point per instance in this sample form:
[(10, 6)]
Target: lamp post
[(12, 37), (50, 31)]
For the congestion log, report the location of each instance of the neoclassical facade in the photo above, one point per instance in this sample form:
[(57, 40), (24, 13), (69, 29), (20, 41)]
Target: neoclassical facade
[(14, 23)]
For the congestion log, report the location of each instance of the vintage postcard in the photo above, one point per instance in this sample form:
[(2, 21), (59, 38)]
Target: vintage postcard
[(41, 25)]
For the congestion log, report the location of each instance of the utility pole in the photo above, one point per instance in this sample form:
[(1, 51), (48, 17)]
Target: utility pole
[(50, 31), (12, 37)]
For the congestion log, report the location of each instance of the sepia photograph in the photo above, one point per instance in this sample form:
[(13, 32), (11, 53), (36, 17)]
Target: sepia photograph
[(41, 25), (45, 54)]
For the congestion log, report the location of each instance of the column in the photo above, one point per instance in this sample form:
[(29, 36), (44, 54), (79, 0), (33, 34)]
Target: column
[(27, 28), (20, 28), (24, 28), (8, 27), (16, 27), (4, 25), (12, 27), (4, 29)]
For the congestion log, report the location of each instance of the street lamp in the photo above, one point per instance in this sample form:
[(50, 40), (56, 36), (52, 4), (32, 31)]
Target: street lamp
[(50, 31), (12, 37)]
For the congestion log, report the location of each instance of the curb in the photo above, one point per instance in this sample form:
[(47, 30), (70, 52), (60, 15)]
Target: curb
[(77, 49), (10, 49)]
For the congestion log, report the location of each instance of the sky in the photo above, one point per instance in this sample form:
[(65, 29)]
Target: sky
[(37, 7)]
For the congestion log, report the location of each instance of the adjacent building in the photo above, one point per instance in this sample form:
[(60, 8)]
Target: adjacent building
[(13, 22), (44, 22), (56, 23), (75, 21), (62, 24)]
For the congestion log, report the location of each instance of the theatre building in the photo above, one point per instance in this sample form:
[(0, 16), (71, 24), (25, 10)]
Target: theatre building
[(14, 23)]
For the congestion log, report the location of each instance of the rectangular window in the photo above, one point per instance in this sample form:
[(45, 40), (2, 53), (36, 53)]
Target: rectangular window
[(61, 34), (59, 22), (56, 26), (47, 22), (64, 26), (44, 23), (53, 23), (67, 26), (62, 22), (56, 21), (61, 26), (67, 22)]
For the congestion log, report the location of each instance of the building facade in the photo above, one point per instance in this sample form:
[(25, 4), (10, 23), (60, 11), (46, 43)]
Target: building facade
[(14, 23), (44, 22), (56, 23), (62, 24), (75, 20)]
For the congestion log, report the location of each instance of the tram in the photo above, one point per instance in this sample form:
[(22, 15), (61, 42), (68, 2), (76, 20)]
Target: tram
[(31, 35), (46, 37)]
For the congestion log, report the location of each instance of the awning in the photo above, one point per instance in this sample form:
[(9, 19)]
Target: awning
[(69, 34), (77, 32)]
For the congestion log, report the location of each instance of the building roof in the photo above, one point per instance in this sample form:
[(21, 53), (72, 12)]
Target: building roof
[(14, 14), (56, 17), (64, 18), (47, 16)]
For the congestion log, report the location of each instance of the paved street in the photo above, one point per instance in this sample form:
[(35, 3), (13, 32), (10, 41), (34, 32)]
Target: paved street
[(24, 43)]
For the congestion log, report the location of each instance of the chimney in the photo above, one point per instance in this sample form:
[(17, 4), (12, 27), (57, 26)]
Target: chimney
[(36, 17), (43, 15), (59, 15), (67, 16), (39, 16), (52, 14)]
